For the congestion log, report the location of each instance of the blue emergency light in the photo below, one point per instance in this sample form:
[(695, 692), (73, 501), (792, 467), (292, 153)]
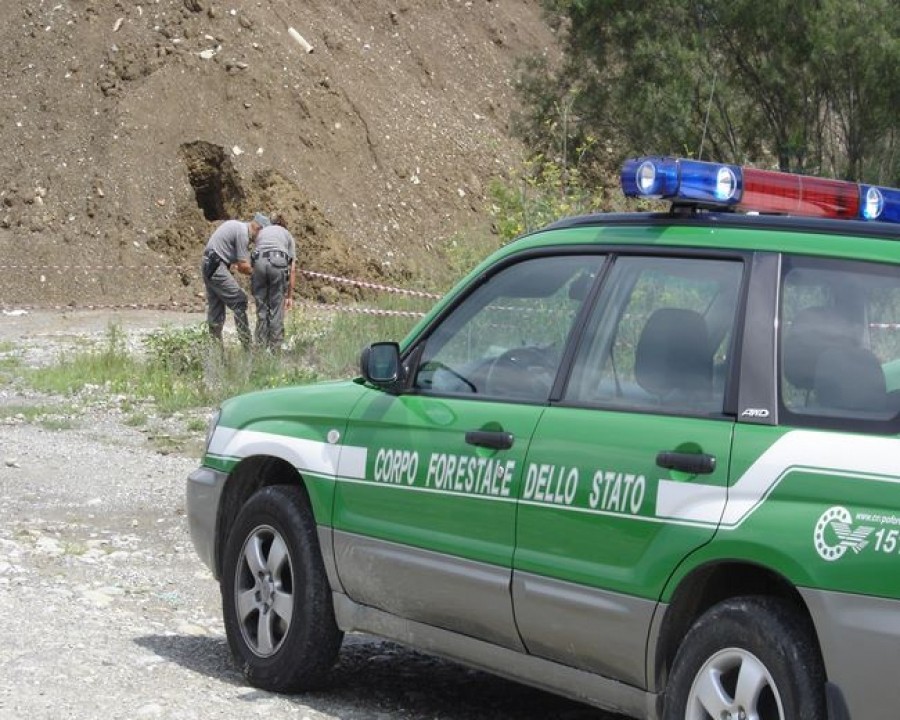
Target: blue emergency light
[(880, 203), (733, 187)]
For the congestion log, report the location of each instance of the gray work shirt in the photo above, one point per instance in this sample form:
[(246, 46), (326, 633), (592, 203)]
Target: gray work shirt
[(275, 237), (231, 241)]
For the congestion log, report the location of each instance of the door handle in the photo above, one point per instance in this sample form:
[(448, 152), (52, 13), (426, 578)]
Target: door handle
[(693, 463), (496, 439)]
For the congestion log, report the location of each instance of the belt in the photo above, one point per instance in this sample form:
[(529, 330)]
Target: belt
[(271, 253)]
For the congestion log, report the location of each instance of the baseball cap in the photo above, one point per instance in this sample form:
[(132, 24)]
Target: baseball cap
[(262, 220)]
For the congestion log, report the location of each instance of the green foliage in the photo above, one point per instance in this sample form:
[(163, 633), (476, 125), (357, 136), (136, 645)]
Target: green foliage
[(179, 350), (196, 425), (802, 85), (538, 193), (32, 413), (52, 424), (332, 341), (858, 54), (463, 252), (180, 368), (136, 419), (108, 365), (10, 366)]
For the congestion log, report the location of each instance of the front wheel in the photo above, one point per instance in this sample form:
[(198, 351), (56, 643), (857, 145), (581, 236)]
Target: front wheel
[(276, 601), (747, 658)]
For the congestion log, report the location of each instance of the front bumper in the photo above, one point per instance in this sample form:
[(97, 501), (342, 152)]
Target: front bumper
[(204, 490)]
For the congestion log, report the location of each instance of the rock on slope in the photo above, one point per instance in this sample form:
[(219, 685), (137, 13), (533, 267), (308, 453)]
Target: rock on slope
[(128, 127)]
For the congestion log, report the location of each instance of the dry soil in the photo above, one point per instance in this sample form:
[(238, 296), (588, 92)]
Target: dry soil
[(129, 128)]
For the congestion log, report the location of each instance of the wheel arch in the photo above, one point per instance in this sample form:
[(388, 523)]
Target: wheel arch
[(248, 477), (708, 585)]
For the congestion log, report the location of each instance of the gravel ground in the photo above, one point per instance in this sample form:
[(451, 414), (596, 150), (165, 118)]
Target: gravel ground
[(108, 613)]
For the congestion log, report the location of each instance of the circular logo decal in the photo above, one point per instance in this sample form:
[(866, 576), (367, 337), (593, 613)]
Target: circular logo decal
[(831, 551)]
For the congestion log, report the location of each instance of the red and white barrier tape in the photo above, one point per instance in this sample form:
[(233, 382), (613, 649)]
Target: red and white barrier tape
[(371, 285), (354, 309), (168, 268)]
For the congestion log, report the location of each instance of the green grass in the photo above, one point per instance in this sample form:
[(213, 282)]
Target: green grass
[(136, 419), (57, 423), (330, 342), (182, 368), (196, 425), (10, 364), (32, 413), (49, 417)]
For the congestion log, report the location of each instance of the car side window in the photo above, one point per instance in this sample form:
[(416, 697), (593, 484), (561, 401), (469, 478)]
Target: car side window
[(505, 340), (660, 336), (840, 342)]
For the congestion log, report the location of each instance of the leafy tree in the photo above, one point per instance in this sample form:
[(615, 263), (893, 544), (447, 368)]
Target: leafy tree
[(858, 55), (802, 85)]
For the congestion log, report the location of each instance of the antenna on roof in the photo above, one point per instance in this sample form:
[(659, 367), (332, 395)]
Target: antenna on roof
[(712, 91)]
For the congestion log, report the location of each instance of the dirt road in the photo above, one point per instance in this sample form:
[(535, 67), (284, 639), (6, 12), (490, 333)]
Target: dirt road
[(108, 613)]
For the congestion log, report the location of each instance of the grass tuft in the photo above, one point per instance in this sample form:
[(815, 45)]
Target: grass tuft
[(182, 368)]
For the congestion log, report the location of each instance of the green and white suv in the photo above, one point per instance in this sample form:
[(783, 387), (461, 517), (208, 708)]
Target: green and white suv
[(650, 461)]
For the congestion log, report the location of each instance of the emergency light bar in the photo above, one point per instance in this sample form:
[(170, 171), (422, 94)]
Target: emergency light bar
[(732, 187)]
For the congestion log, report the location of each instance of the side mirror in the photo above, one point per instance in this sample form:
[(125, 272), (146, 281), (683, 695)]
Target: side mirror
[(380, 363)]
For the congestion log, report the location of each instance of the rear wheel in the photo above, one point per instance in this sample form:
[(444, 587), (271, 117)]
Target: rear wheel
[(750, 658), (276, 600)]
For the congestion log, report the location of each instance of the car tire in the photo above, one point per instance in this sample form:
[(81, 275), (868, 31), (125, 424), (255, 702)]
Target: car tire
[(747, 657), (276, 601)]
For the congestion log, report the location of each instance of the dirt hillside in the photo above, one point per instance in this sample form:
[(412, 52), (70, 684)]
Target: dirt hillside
[(130, 128)]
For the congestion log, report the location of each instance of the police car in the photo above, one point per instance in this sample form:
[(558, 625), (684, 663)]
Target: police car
[(650, 461)]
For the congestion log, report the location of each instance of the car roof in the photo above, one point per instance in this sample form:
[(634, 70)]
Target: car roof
[(687, 217)]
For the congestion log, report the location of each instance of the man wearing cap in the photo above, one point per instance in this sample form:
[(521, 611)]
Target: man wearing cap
[(227, 250)]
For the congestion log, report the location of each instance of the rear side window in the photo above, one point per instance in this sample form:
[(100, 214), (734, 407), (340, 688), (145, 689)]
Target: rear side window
[(660, 336), (840, 343)]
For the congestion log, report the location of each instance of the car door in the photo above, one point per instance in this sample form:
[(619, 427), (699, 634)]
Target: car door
[(628, 473), (425, 515), (816, 463)]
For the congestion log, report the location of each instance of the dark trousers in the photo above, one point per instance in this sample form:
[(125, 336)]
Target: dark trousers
[(223, 291), (269, 283)]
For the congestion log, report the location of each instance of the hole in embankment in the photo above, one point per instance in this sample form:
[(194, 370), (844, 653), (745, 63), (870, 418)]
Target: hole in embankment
[(216, 183)]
